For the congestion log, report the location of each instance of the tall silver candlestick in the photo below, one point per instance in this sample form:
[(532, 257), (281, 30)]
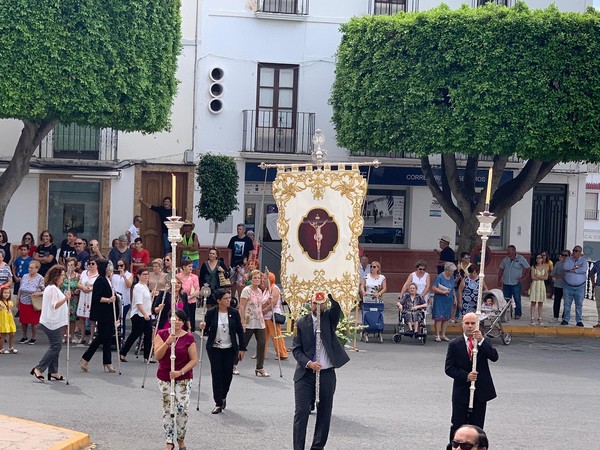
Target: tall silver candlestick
[(486, 219), (174, 225)]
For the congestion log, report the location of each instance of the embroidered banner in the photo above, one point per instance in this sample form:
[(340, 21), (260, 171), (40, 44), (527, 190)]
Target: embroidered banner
[(319, 224)]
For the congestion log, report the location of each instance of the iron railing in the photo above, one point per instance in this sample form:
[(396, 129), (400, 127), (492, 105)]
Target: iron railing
[(392, 154), (77, 142), (294, 7), (289, 132), (387, 7), (591, 214)]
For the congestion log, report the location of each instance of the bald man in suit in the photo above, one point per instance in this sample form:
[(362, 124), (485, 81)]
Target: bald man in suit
[(332, 356), (459, 366)]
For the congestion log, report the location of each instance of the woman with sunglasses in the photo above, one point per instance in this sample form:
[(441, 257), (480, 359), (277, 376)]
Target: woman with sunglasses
[(29, 240), (122, 280), (374, 285), (86, 285), (102, 312), (157, 278), (420, 278)]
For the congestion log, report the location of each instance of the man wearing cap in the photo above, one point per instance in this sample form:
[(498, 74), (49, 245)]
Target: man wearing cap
[(446, 254), (120, 251), (190, 245), (513, 269), (331, 357)]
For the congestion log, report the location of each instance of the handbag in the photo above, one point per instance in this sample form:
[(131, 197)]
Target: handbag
[(36, 302), (279, 318)]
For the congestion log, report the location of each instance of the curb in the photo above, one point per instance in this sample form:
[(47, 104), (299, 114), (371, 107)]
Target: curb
[(74, 440), (537, 330)]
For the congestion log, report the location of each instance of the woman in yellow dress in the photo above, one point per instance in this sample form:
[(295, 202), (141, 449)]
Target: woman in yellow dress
[(537, 291)]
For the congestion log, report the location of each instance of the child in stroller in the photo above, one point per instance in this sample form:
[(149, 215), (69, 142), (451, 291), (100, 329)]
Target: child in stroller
[(411, 312)]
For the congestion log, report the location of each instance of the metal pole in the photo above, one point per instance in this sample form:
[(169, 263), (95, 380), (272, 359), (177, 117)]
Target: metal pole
[(486, 219), (173, 224), (204, 293)]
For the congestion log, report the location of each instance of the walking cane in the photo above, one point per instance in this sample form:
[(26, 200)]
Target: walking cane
[(154, 332), (116, 333), (485, 230), (69, 273), (319, 299), (204, 293), (275, 337), (153, 337)]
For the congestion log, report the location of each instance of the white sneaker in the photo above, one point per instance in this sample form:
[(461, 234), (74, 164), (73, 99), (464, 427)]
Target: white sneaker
[(554, 320)]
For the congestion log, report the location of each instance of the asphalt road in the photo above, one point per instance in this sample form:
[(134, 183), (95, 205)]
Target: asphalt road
[(388, 396)]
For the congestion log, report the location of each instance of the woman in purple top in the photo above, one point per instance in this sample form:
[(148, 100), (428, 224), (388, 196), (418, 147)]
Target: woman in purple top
[(185, 360)]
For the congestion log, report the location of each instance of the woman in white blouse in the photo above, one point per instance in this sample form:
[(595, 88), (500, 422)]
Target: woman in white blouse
[(55, 316), (141, 322)]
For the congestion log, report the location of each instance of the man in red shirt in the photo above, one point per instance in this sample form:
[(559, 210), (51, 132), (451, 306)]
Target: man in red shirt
[(139, 255)]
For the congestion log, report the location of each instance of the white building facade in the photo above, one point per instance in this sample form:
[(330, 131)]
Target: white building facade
[(256, 77)]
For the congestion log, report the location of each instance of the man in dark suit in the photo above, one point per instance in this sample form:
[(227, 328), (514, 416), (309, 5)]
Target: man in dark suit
[(459, 365), (332, 356)]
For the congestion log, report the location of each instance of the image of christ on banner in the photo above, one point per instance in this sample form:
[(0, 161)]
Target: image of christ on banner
[(320, 220)]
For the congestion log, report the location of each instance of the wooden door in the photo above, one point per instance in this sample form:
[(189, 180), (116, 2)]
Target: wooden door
[(155, 187)]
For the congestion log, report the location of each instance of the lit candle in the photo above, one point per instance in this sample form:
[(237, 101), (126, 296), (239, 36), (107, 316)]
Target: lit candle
[(174, 192), (489, 189)]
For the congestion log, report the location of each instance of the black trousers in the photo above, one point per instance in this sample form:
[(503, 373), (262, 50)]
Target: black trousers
[(192, 308), (304, 394), (139, 326), (221, 370), (461, 416), (558, 296), (105, 336)]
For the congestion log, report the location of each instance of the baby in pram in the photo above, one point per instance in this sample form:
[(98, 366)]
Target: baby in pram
[(411, 308), (487, 308)]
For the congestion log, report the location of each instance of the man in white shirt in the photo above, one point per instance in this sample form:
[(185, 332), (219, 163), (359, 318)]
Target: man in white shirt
[(133, 232)]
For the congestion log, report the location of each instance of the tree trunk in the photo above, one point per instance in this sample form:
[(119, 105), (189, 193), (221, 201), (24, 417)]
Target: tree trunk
[(18, 168), (462, 202), (215, 234)]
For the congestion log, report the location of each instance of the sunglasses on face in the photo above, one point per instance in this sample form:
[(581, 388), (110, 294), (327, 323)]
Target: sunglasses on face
[(421, 268), (374, 267), (462, 445), (92, 264), (566, 255), (120, 265)]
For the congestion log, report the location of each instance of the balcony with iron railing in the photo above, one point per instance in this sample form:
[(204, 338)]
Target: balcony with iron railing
[(387, 7), (289, 132), (289, 7), (77, 142), (591, 214)]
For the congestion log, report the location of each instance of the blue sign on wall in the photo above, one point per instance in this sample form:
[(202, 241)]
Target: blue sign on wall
[(384, 175)]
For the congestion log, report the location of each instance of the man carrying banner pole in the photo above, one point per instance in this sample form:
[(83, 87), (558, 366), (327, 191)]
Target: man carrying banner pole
[(316, 366)]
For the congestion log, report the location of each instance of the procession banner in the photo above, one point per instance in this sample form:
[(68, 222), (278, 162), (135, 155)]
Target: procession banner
[(320, 220)]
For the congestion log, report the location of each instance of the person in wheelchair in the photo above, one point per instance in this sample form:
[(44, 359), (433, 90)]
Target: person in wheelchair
[(411, 308)]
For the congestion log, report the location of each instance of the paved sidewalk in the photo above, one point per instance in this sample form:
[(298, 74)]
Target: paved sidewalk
[(19, 434), (521, 327)]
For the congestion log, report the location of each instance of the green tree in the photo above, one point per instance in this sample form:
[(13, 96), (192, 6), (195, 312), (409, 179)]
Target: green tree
[(101, 63), (218, 179), (483, 83)]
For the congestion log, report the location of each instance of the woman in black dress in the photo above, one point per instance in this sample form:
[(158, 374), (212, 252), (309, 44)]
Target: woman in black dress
[(223, 326), (102, 312)]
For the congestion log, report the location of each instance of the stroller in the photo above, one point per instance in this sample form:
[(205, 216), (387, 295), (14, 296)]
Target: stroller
[(494, 312), (402, 330), (372, 318)]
